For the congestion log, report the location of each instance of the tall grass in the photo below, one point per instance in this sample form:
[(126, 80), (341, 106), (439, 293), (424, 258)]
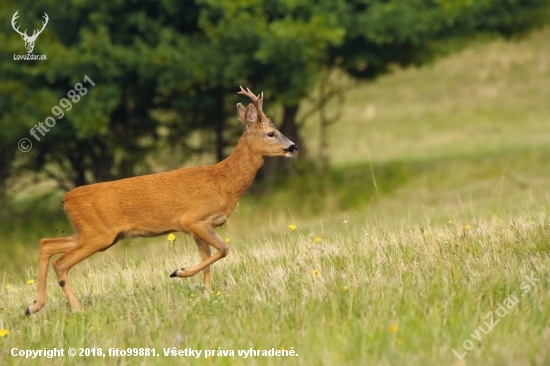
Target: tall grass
[(366, 294)]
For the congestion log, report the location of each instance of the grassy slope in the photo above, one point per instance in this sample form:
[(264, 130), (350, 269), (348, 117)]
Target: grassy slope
[(491, 99), (465, 140)]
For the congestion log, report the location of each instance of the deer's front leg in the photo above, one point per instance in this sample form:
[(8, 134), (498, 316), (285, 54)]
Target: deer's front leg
[(204, 233)]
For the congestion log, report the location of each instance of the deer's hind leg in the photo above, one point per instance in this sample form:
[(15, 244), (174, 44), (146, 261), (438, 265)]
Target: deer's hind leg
[(47, 248), (86, 246)]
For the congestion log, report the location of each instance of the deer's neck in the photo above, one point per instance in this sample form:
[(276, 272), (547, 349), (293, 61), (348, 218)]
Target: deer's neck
[(240, 168)]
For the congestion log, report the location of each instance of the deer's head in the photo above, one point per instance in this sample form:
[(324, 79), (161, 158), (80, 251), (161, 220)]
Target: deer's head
[(29, 40), (263, 136)]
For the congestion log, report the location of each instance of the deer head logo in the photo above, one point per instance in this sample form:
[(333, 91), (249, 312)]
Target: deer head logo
[(29, 41)]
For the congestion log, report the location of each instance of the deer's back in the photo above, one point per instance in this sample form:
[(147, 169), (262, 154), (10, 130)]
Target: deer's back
[(155, 202)]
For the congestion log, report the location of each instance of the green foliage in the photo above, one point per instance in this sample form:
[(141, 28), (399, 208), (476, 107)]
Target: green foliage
[(380, 34), (164, 70), (110, 131)]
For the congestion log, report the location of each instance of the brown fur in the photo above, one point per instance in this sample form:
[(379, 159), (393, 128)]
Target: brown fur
[(192, 200)]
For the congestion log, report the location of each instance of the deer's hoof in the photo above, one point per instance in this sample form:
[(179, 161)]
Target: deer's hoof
[(175, 273), (28, 310)]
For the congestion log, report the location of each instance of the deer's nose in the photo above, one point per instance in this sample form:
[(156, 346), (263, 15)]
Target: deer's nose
[(292, 148)]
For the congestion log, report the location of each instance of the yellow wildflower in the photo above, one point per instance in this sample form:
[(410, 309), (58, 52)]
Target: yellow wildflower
[(218, 293), (394, 328), (466, 227), (317, 239), (7, 287), (30, 282), (291, 227), (171, 237), (227, 240), (345, 287), (315, 272), (399, 342), (4, 332)]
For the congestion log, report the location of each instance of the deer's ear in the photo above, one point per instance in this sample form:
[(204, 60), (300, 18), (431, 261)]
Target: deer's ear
[(251, 114), (241, 111)]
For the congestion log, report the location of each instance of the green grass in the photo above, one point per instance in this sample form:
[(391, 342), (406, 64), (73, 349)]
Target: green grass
[(416, 156), (491, 98), (404, 295)]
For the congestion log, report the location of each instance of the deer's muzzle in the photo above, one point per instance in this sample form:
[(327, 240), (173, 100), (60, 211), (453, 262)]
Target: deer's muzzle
[(291, 150)]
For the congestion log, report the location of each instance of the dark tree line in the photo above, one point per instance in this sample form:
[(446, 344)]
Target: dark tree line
[(166, 73)]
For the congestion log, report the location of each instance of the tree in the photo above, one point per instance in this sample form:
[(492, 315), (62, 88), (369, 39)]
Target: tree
[(291, 46), (165, 70), (131, 53)]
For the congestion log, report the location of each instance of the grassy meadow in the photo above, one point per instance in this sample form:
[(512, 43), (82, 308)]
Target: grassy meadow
[(435, 209)]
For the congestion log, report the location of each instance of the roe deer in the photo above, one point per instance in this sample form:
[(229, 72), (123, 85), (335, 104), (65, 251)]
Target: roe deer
[(192, 200)]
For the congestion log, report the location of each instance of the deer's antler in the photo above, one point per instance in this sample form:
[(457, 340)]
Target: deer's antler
[(15, 16), (258, 101), (34, 34), (43, 26)]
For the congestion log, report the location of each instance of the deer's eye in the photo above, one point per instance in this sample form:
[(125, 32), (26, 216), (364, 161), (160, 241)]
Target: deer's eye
[(271, 134)]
